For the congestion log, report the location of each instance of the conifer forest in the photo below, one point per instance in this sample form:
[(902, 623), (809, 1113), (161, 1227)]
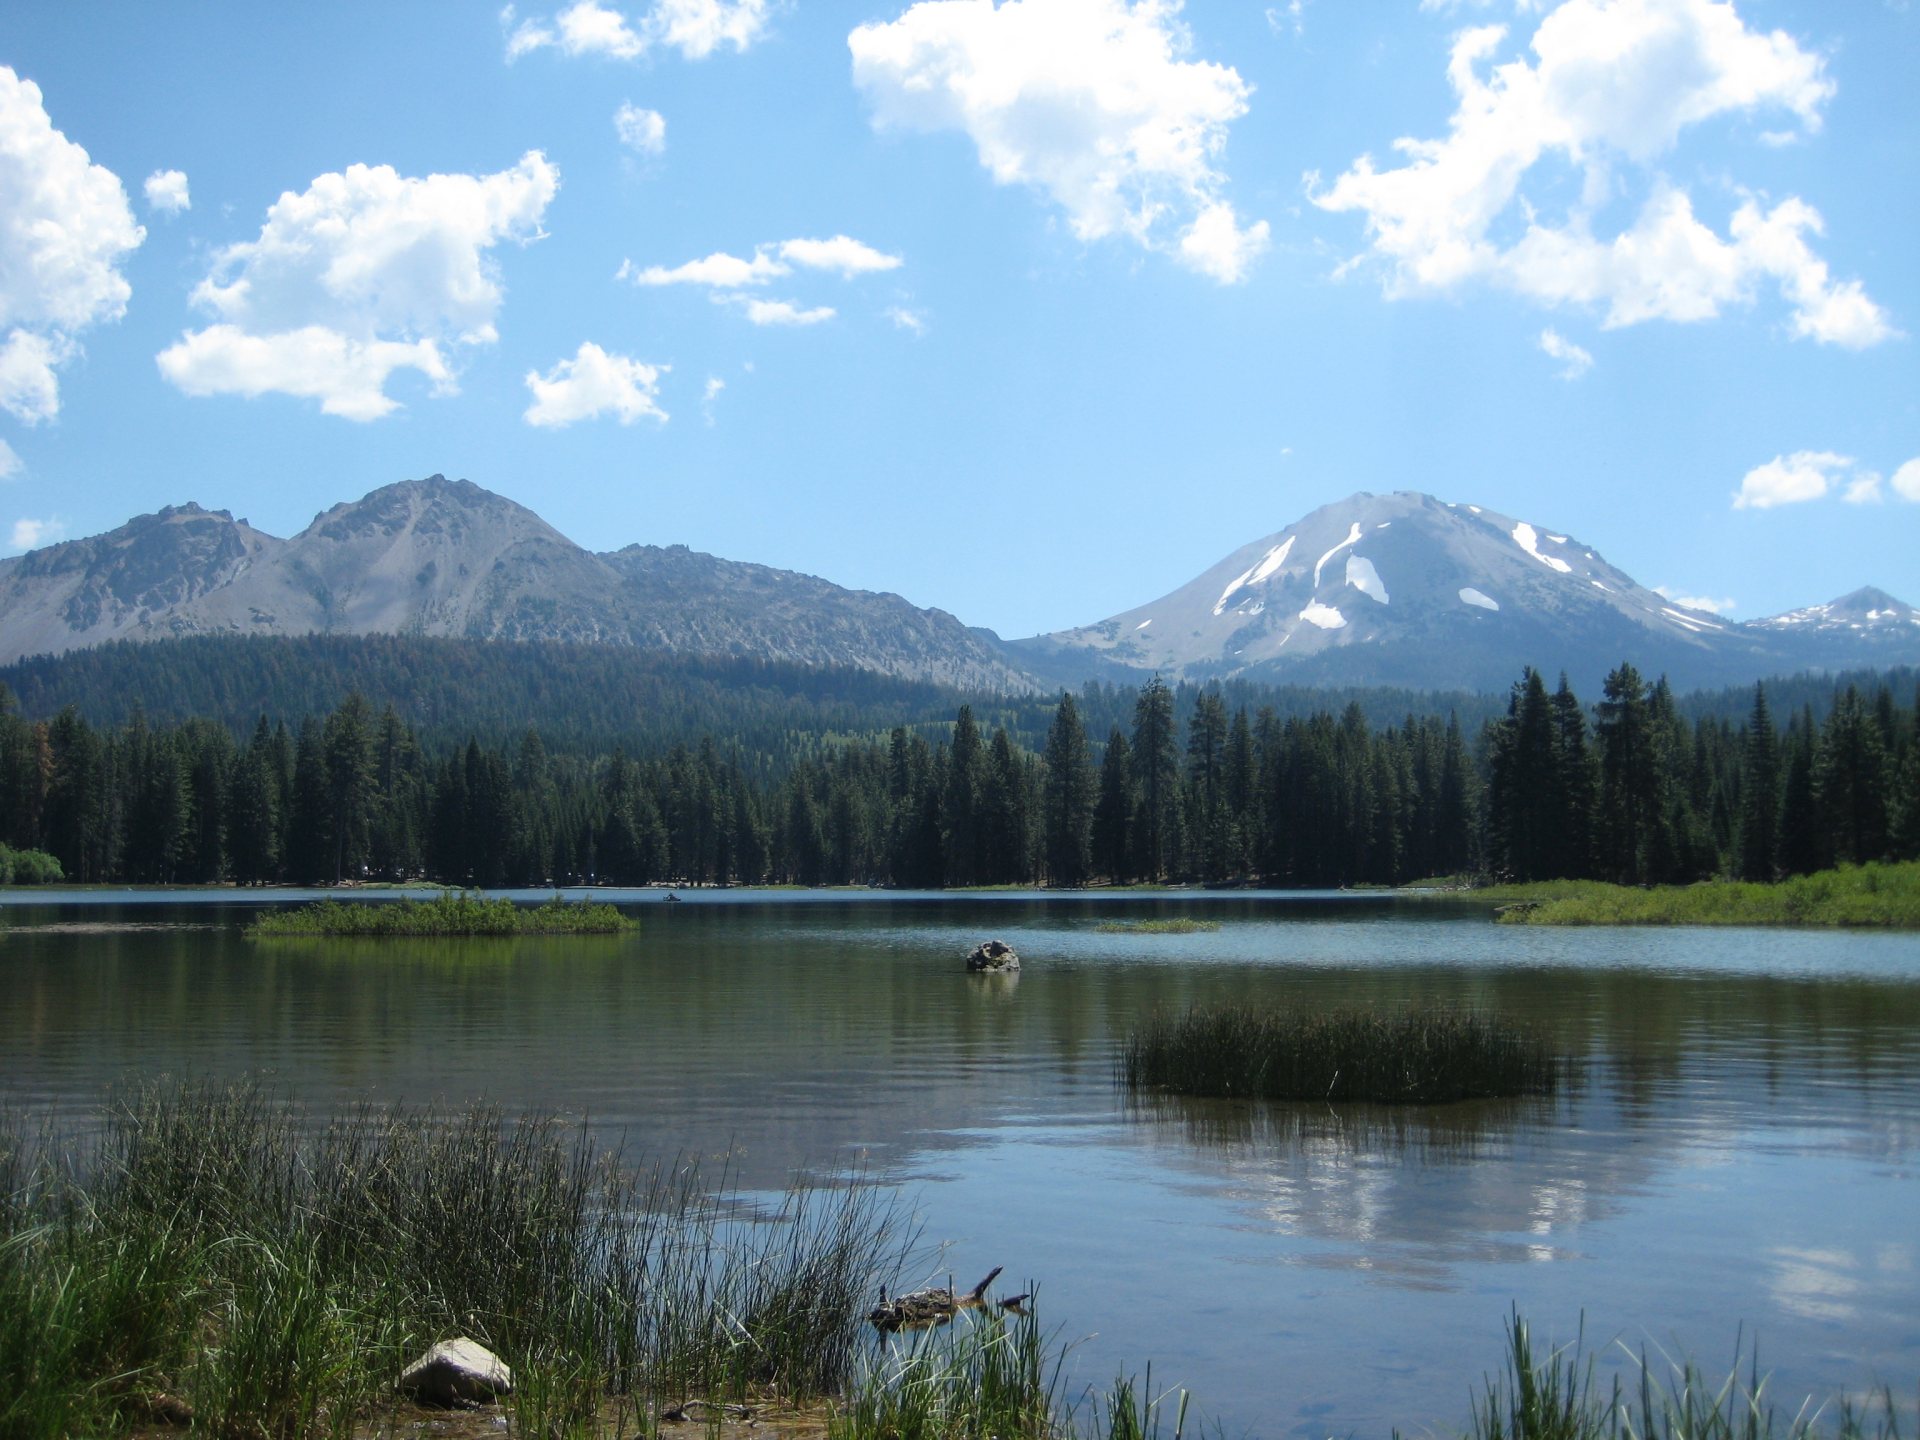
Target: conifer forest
[(1627, 789)]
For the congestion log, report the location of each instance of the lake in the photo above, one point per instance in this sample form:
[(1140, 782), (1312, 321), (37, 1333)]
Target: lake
[(1741, 1147)]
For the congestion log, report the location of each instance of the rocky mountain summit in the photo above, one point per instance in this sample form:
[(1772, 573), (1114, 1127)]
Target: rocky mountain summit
[(447, 558), (1408, 590)]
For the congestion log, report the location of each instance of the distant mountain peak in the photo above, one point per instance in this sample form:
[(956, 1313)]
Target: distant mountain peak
[(1407, 589), (1866, 610)]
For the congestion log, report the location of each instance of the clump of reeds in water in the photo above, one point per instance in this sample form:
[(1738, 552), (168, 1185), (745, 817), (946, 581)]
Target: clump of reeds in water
[(212, 1250), (445, 915), (1414, 1056), (1554, 1397), (992, 1376), (1178, 926)]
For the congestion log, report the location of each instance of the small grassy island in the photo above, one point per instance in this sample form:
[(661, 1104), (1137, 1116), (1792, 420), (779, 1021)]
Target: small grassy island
[(1412, 1057), (1863, 896), (1179, 926), (450, 915)]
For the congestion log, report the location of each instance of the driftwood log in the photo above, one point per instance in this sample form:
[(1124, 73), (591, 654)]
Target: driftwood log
[(923, 1309)]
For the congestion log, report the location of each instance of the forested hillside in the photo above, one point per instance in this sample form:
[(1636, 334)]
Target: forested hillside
[(1631, 789)]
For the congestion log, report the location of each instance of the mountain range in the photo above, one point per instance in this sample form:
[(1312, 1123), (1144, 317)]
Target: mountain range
[(1402, 590)]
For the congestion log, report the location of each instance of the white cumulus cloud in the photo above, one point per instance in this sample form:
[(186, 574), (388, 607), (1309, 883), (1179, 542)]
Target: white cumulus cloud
[(363, 273), (842, 255), (643, 131), (1574, 361), (1609, 89), (727, 277), (1906, 481), (65, 226), (716, 271), (903, 318), (696, 28), (778, 312), (595, 383), (32, 534), (1863, 489), (167, 191), (1791, 479), (10, 464), (712, 394), (1094, 102), (1697, 602)]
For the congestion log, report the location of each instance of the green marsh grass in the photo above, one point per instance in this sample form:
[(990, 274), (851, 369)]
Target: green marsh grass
[(1555, 1397), (1879, 896), (212, 1246), (1408, 1057), (1180, 926), (991, 1376), (452, 914)]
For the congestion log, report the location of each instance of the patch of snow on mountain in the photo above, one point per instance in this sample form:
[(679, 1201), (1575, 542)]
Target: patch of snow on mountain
[(1474, 508), (1475, 597), (1528, 540), (1558, 539), (1254, 574), (1383, 525), (1325, 616), (1598, 586), (1148, 621), (1694, 619), (1233, 585), (1687, 620), (1353, 537), (1276, 557), (1364, 578)]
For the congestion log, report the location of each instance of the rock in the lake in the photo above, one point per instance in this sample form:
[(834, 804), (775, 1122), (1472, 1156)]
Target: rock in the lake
[(993, 956), (457, 1372)]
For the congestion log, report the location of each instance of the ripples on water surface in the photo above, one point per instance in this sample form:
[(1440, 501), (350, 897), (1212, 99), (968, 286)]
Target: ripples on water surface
[(1740, 1146)]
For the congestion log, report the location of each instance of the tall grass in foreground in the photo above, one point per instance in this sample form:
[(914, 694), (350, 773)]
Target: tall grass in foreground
[(211, 1249), (445, 915), (1416, 1056), (1554, 1398), (1886, 896), (991, 1376)]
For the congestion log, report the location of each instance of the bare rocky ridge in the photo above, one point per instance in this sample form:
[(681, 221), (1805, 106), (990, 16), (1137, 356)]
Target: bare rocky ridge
[(447, 558)]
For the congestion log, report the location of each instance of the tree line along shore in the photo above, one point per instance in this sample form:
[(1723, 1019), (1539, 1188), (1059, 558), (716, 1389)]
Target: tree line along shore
[(1628, 791)]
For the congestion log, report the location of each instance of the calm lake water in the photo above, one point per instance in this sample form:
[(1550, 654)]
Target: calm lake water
[(1742, 1147)]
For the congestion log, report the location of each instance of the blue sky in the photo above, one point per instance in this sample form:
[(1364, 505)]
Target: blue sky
[(1028, 310)]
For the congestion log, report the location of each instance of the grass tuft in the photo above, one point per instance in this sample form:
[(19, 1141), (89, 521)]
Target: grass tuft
[(1412, 1057), (446, 915), (1555, 1397)]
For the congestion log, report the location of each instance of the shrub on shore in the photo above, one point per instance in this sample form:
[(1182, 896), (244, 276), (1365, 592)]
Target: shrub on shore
[(1418, 1057), (449, 915), (29, 867)]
